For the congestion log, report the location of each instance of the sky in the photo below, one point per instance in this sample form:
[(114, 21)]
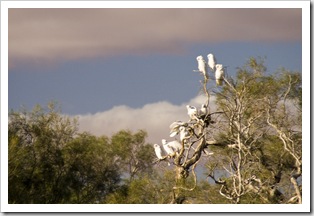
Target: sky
[(132, 69)]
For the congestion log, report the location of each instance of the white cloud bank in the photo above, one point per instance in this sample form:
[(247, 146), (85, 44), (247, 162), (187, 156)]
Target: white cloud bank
[(154, 118)]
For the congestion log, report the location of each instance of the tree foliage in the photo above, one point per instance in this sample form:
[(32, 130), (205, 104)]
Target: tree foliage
[(50, 162)]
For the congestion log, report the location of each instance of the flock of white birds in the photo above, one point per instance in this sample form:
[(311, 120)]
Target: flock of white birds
[(218, 69), (182, 128)]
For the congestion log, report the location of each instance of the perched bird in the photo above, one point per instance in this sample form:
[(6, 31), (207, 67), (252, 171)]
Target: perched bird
[(192, 112), (169, 150), (174, 127), (204, 115), (174, 145), (202, 67), (184, 134), (211, 62), (203, 111), (158, 151), (219, 74)]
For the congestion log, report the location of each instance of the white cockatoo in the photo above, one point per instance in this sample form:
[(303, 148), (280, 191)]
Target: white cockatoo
[(184, 134), (158, 151), (174, 127), (174, 145), (192, 112), (168, 149), (219, 74), (203, 111), (203, 115), (202, 66), (211, 62)]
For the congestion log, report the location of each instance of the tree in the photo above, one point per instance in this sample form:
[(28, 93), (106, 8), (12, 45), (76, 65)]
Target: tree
[(255, 138), (152, 188), (284, 116), (131, 153), (91, 173), (49, 162), (35, 161)]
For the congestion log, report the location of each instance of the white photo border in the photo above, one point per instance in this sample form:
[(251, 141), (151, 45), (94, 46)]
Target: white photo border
[(304, 207)]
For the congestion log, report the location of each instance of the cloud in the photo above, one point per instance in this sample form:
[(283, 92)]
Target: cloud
[(50, 35), (155, 118)]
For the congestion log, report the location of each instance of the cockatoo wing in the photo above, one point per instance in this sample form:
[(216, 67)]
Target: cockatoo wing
[(175, 145), (177, 124), (174, 124), (174, 127), (174, 133), (168, 149)]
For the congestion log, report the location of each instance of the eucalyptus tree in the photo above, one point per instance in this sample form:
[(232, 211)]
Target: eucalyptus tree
[(254, 136)]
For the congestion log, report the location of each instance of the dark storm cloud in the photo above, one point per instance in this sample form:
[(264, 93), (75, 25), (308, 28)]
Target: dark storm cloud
[(64, 34)]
